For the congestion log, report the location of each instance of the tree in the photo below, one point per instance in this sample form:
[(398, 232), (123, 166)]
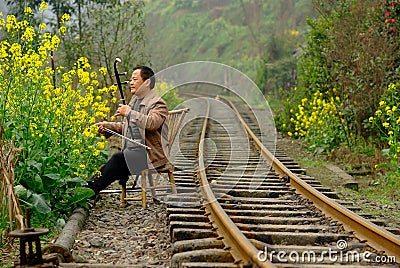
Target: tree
[(100, 29), (345, 51)]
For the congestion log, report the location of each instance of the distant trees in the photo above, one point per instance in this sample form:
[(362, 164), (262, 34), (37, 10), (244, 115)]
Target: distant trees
[(258, 37), (277, 29)]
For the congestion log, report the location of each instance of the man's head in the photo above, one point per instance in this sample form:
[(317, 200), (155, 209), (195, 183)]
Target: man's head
[(146, 73), (142, 80)]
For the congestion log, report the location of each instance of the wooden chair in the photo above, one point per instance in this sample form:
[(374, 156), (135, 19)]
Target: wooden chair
[(174, 121)]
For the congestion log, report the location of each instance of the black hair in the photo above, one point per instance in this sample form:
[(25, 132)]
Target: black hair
[(146, 73)]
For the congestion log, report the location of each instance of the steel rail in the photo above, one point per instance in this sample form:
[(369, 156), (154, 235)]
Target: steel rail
[(375, 236), (242, 250)]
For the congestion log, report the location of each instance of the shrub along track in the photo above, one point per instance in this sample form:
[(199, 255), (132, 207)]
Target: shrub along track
[(278, 228)]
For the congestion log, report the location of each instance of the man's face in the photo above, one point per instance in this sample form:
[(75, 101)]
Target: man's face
[(137, 84)]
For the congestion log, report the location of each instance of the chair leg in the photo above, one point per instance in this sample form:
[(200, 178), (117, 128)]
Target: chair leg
[(123, 195), (144, 174), (151, 183), (172, 181)]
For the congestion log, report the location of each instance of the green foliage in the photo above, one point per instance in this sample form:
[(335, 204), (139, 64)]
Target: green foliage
[(313, 70), (320, 122), (387, 122), (104, 31), (343, 51), (49, 114)]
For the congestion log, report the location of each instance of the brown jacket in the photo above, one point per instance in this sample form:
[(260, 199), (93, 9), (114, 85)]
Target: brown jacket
[(150, 120)]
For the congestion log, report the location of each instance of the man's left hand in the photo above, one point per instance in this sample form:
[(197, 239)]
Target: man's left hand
[(123, 110)]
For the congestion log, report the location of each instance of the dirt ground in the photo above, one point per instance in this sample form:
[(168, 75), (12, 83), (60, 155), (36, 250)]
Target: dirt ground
[(316, 166)]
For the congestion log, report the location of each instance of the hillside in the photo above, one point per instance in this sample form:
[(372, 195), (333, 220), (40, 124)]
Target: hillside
[(239, 33)]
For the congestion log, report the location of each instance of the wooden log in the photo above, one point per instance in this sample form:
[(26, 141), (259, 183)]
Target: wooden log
[(66, 239)]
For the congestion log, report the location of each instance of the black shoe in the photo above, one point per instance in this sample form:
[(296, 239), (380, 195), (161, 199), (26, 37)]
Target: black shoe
[(94, 185)]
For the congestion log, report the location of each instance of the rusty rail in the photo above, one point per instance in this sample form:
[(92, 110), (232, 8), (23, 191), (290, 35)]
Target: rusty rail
[(242, 250)]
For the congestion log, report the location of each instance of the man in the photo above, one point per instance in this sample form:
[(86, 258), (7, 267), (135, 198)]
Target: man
[(143, 122)]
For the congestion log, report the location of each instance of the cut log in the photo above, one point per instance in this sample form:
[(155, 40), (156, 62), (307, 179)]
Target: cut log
[(66, 239)]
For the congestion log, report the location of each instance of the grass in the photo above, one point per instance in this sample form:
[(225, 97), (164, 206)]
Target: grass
[(310, 162)]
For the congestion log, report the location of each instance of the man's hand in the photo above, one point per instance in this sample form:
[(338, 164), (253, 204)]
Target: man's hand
[(123, 110), (101, 126)]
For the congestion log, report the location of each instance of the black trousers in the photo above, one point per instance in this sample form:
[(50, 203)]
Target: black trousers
[(122, 164)]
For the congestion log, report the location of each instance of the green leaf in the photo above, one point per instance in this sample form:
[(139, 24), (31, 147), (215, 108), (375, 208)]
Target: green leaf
[(21, 191), (386, 152), (81, 194), (53, 176), (75, 182), (33, 163), (40, 204), (38, 183), (32, 182)]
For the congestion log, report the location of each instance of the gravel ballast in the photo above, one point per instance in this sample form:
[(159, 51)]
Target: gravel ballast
[(124, 236)]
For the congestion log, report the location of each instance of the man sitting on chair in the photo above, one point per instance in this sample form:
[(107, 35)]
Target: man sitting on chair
[(143, 122)]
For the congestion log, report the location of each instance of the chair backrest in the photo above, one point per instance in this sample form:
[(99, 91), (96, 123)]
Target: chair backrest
[(174, 121)]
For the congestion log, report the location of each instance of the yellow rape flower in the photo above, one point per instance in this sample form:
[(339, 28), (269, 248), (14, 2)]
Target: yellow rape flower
[(65, 18), (29, 34), (44, 6), (28, 11), (62, 30), (83, 63), (11, 23), (103, 70), (16, 50), (55, 41)]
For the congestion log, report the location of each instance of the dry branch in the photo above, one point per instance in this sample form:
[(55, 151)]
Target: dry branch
[(9, 199)]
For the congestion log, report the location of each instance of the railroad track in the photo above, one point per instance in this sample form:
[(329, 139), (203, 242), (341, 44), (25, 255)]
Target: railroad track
[(237, 213), (235, 209)]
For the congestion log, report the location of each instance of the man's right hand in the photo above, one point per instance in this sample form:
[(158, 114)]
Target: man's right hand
[(101, 126)]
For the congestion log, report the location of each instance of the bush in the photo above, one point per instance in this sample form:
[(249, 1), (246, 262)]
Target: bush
[(344, 51), (50, 113), (387, 122), (320, 122)]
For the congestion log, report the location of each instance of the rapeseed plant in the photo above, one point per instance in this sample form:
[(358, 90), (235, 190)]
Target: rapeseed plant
[(50, 113), (319, 121), (387, 122)]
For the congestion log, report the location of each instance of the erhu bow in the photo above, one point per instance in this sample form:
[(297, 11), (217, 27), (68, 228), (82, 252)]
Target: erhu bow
[(121, 91)]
